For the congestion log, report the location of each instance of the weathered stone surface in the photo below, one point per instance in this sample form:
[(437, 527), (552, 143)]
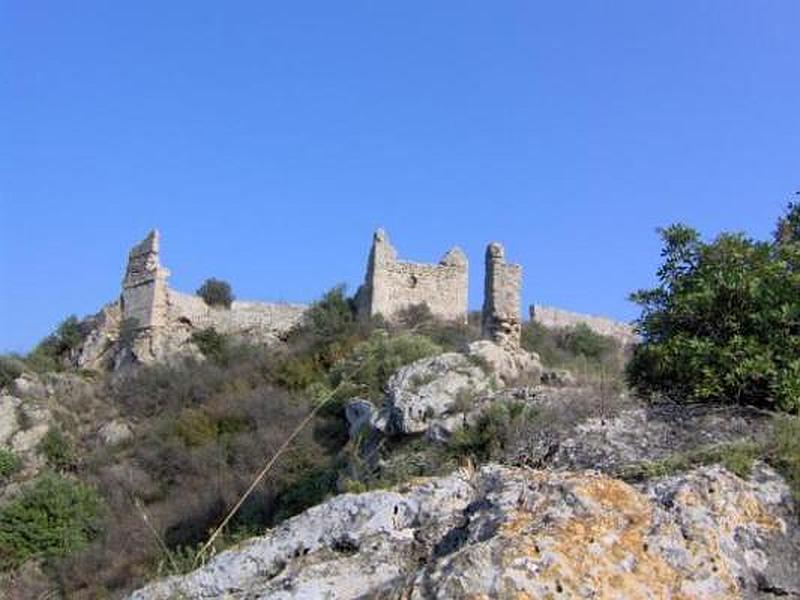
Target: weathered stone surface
[(361, 416), (8, 417), (115, 432), (558, 318), (392, 285), (151, 322), (502, 322), (509, 364), (29, 386), (510, 532), (432, 394), (576, 428), (348, 547)]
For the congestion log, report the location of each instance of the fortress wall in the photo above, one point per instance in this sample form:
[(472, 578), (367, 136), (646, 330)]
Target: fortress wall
[(555, 317), (255, 319)]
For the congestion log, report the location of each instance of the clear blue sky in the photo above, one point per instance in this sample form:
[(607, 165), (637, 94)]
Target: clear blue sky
[(268, 139)]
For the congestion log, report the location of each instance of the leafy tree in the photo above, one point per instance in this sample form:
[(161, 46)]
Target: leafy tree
[(724, 321), (788, 229), (212, 344), (216, 292), (49, 354)]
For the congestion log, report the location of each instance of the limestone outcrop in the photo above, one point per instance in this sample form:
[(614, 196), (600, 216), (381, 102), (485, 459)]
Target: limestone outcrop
[(432, 395), (506, 532)]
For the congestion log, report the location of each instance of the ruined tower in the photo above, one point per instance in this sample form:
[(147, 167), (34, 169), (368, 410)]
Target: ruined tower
[(392, 285), (144, 289), (501, 320)]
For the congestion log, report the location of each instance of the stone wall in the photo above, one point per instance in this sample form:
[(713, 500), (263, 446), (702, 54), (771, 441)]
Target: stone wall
[(556, 318), (501, 320), (392, 285), (255, 320), (159, 322)]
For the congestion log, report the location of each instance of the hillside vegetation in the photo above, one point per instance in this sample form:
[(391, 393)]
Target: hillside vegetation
[(95, 515)]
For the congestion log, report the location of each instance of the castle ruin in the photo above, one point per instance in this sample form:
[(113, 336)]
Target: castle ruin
[(392, 285), (153, 321), (501, 321)]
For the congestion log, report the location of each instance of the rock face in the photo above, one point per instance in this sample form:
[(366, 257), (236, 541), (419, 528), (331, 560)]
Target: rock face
[(439, 394), (432, 394), (510, 364), (516, 533)]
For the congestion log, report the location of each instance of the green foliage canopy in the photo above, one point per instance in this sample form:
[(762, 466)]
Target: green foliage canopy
[(53, 517), (216, 292), (723, 322)]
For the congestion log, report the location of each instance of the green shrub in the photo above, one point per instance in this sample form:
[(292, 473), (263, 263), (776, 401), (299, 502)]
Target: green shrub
[(332, 317), (577, 349), (368, 367), (11, 367), (738, 457), (53, 517), (195, 428), (582, 341), (328, 332), (723, 323), (58, 450), (497, 431), (212, 344), (786, 454), (216, 292), (51, 352), (450, 335), (9, 463)]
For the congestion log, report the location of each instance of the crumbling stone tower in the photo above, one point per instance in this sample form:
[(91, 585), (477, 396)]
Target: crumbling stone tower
[(501, 320), (144, 289), (392, 285)]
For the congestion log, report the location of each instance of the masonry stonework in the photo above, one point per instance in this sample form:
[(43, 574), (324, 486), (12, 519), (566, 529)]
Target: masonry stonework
[(392, 285), (501, 320), (144, 289), (158, 322), (558, 318)]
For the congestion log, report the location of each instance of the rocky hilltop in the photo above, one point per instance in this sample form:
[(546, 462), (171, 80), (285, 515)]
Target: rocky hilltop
[(438, 453)]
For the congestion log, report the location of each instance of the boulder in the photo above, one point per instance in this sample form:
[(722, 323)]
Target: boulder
[(507, 532), (509, 364), (362, 416), (432, 394), (29, 386), (114, 432)]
